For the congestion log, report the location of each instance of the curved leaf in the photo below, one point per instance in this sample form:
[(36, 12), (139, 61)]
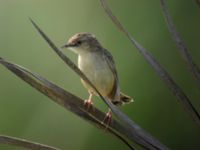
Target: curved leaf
[(180, 43), (168, 80), (24, 143), (129, 124), (70, 102)]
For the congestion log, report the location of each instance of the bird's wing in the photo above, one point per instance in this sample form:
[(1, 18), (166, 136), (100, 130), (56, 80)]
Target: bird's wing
[(115, 93)]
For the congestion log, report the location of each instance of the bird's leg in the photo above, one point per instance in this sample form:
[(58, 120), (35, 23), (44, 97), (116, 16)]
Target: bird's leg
[(108, 118), (88, 103)]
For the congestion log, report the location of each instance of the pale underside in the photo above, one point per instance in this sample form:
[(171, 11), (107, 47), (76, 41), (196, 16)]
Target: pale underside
[(98, 72)]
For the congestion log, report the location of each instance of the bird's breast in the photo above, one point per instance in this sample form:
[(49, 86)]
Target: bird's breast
[(97, 71)]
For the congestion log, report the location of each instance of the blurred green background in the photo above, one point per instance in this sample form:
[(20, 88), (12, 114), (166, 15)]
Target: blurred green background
[(26, 113)]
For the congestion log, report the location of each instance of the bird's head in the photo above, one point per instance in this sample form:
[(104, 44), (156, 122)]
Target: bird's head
[(82, 42)]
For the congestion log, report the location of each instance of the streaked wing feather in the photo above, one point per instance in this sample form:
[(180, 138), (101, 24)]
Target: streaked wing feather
[(110, 61)]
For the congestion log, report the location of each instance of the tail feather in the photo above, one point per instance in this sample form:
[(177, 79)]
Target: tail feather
[(124, 99)]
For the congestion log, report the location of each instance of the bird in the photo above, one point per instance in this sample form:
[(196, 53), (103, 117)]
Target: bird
[(98, 65)]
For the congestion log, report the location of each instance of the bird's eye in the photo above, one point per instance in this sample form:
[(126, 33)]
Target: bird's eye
[(78, 42)]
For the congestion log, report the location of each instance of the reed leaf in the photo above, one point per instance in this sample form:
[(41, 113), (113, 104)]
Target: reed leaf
[(131, 126), (4, 139), (192, 66), (163, 74), (68, 101)]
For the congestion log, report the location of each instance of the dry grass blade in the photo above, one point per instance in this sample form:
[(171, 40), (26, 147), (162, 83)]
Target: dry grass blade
[(170, 83), (70, 102), (133, 128), (24, 143), (71, 64), (180, 43)]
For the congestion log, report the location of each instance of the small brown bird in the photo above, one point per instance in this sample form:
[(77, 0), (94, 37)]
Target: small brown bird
[(98, 65)]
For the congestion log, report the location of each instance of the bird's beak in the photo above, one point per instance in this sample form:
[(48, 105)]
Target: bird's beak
[(69, 45), (65, 46)]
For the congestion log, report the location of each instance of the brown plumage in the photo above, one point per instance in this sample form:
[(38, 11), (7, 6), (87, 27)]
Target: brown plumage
[(98, 65)]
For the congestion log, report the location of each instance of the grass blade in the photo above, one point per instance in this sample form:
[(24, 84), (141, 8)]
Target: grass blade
[(170, 83), (180, 43), (133, 128), (24, 143), (69, 101)]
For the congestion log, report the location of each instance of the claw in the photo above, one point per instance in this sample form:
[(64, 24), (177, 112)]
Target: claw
[(107, 119), (88, 103)]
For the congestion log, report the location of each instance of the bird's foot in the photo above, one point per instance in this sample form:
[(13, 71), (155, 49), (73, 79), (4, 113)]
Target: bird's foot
[(88, 104), (107, 119)]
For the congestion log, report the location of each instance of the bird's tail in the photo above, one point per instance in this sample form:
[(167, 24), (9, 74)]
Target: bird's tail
[(124, 99)]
